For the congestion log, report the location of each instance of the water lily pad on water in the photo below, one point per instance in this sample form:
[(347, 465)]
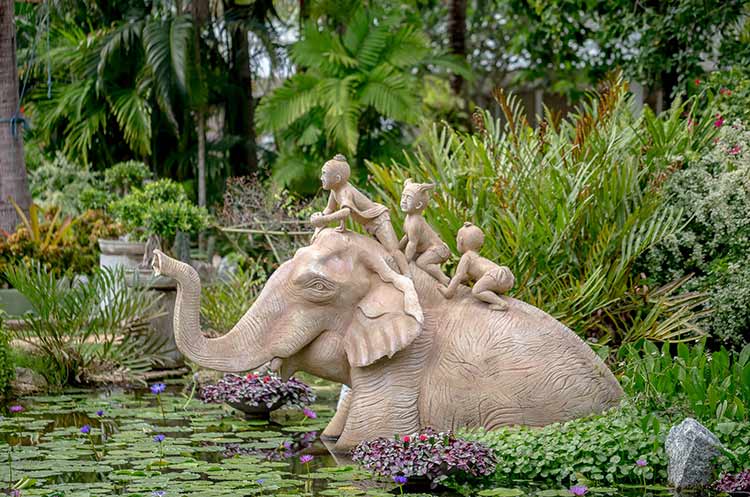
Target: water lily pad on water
[(502, 492)]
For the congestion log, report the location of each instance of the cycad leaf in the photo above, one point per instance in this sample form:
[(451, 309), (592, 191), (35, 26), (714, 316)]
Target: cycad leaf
[(408, 48), (343, 128)]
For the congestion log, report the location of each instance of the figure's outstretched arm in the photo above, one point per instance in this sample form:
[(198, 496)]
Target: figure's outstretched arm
[(402, 243), (323, 219), (458, 278)]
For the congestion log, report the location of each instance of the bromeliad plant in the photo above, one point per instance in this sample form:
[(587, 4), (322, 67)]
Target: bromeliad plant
[(255, 390), (569, 206), (428, 455)]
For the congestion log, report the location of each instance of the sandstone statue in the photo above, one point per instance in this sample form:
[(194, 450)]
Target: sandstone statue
[(340, 310), (490, 280), (346, 202), (420, 242)]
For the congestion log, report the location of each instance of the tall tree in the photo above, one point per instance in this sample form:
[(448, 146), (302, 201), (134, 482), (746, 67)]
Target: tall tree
[(199, 11), (13, 181), (457, 33)]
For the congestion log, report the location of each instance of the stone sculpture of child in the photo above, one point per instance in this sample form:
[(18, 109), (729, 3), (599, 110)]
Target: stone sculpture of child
[(345, 201), (490, 280), (420, 243)]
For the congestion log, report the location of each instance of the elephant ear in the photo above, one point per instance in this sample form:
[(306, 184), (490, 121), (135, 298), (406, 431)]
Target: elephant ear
[(386, 320)]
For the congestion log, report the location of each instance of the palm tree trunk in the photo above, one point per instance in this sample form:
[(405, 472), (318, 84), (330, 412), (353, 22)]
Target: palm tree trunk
[(241, 113), (199, 10), (13, 181), (457, 33)]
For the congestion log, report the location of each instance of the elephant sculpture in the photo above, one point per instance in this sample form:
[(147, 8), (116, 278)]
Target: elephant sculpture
[(340, 310)]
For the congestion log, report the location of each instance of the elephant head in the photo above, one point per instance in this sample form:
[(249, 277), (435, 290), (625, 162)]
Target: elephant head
[(338, 297)]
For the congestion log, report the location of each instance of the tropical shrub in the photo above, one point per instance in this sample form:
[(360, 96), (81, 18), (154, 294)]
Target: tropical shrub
[(569, 206), (89, 326), (428, 454), (729, 93), (224, 302), (602, 448), (710, 386), (713, 193), (355, 90), (160, 208), (124, 176), (256, 390), (63, 246), (60, 183), (7, 370)]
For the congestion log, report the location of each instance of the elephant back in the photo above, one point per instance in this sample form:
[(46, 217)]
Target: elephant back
[(517, 367)]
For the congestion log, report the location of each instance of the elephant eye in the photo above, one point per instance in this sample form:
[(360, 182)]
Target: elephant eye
[(318, 289)]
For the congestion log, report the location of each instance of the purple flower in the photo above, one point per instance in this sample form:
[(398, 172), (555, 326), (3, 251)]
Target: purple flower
[(159, 438), (16, 409), (400, 480), (641, 463), (158, 388), (260, 482), (158, 493), (305, 459), (85, 429), (15, 493), (100, 413), (309, 413), (579, 490)]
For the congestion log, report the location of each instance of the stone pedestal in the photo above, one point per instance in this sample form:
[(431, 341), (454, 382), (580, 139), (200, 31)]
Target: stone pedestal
[(163, 325)]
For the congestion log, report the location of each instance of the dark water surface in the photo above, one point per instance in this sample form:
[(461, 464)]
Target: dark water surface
[(207, 451)]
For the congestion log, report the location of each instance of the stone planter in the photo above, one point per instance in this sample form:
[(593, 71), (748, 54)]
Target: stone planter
[(125, 253), (255, 412), (163, 325)]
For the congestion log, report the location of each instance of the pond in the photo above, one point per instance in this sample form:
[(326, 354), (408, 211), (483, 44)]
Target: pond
[(207, 450)]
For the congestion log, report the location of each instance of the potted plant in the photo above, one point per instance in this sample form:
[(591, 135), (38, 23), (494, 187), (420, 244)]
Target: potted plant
[(257, 395), (158, 212), (425, 458), (120, 180)]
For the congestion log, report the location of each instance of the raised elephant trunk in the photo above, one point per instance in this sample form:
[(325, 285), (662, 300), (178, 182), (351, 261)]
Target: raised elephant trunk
[(239, 350)]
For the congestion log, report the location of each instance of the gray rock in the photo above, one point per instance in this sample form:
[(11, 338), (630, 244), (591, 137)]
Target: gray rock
[(691, 449), (27, 382)]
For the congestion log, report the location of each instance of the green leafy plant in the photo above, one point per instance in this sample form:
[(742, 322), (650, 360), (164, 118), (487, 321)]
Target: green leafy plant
[(60, 183), (713, 193), (711, 386), (602, 448), (160, 208), (358, 87), (7, 370), (224, 302), (569, 207), (124, 176), (86, 326)]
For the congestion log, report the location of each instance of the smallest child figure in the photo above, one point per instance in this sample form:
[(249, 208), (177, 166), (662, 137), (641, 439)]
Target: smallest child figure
[(490, 280)]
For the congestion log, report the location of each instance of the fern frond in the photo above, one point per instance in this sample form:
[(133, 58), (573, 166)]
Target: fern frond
[(292, 100)]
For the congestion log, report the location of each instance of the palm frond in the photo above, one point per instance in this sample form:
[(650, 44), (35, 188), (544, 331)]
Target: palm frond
[(295, 98), (388, 92)]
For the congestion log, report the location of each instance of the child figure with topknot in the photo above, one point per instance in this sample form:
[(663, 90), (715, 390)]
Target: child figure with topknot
[(490, 280), (420, 243), (345, 202)]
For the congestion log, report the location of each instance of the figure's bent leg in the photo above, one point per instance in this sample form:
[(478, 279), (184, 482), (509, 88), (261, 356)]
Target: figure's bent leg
[(430, 262), (336, 425), (484, 291), (387, 238)]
